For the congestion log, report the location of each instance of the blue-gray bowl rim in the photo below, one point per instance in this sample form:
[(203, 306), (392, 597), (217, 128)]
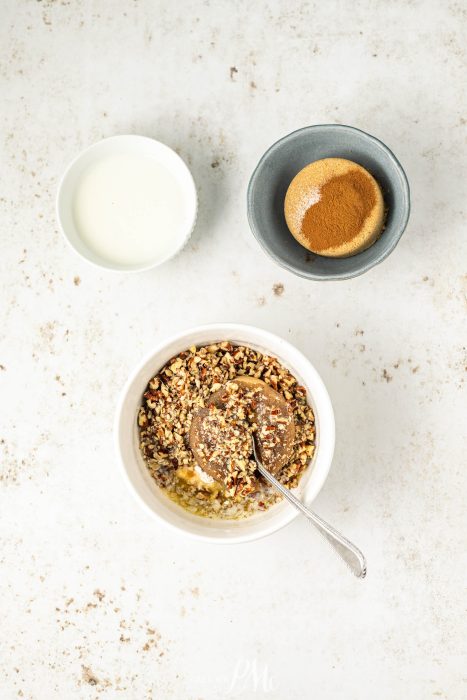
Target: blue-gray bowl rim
[(338, 276)]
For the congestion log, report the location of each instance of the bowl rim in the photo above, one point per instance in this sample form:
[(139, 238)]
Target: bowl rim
[(110, 267), (333, 276), (325, 407)]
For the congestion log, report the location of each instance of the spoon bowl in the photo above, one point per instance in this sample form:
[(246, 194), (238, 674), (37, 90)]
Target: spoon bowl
[(266, 406)]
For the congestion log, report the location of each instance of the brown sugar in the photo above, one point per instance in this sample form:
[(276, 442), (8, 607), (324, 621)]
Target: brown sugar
[(334, 207)]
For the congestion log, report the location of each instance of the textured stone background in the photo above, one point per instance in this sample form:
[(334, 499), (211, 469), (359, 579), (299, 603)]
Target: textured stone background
[(96, 599)]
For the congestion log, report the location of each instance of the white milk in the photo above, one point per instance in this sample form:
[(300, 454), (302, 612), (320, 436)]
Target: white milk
[(129, 209)]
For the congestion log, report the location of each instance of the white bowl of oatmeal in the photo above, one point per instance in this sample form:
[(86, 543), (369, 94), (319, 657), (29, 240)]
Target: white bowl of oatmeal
[(154, 415)]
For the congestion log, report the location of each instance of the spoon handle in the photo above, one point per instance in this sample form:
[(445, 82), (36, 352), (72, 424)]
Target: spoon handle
[(352, 556)]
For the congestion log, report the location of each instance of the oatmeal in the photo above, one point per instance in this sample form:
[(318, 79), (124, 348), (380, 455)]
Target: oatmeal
[(215, 382)]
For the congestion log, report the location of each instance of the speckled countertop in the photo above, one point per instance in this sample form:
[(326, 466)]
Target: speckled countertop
[(96, 599)]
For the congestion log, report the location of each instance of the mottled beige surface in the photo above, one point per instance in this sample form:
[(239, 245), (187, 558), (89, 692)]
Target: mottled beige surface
[(98, 601)]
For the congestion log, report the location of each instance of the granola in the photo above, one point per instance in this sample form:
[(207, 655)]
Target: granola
[(185, 386)]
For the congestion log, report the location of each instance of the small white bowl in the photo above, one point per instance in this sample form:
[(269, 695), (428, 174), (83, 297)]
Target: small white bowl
[(118, 145), (143, 486)]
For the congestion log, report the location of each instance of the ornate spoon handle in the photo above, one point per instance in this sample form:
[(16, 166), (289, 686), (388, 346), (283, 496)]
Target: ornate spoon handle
[(352, 556)]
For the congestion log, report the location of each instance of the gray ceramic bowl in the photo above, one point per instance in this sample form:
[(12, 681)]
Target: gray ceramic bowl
[(280, 164)]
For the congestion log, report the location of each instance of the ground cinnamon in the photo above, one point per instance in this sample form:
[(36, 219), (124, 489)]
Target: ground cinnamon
[(338, 216)]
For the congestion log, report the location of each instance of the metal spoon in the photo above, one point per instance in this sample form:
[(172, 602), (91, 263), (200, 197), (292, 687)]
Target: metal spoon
[(346, 550)]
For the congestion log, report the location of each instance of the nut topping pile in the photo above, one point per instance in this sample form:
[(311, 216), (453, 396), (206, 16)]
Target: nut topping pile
[(216, 383)]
